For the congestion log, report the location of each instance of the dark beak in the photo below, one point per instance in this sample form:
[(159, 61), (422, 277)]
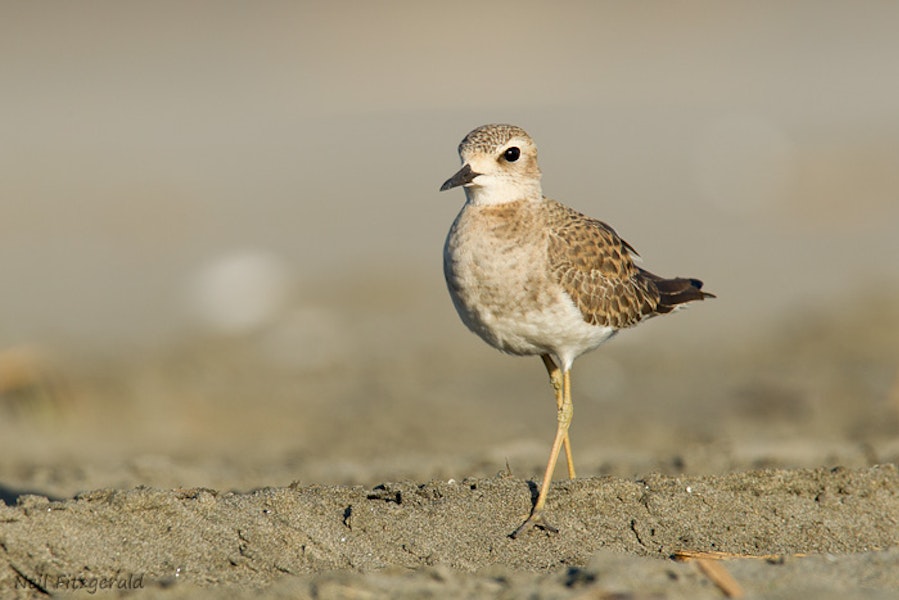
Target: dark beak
[(463, 177)]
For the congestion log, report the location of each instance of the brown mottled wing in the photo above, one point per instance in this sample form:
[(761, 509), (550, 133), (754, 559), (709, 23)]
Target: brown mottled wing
[(596, 269)]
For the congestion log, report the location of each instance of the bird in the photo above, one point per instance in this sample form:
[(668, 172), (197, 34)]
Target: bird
[(533, 277)]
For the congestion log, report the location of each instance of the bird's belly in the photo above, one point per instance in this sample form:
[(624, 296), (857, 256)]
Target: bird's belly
[(554, 330), (515, 307)]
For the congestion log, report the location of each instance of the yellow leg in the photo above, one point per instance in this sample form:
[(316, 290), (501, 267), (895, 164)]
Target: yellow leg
[(564, 421), (555, 377)]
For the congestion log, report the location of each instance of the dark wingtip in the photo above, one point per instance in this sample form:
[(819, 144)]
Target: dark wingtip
[(676, 291), (696, 283)]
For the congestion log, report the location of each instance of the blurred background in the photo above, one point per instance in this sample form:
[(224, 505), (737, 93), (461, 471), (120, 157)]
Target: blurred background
[(221, 237)]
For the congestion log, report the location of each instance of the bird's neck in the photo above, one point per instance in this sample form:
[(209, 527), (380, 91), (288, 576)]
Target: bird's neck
[(493, 195)]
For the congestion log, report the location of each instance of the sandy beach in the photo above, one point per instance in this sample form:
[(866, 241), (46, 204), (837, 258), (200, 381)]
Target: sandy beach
[(402, 475), (229, 365)]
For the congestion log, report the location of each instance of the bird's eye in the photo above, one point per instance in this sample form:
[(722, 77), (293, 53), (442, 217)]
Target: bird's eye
[(512, 154)]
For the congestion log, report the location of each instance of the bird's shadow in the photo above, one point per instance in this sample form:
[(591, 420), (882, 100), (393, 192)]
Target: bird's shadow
[(535, 492)]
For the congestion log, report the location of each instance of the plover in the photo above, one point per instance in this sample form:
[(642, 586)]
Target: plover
[(531, 276)]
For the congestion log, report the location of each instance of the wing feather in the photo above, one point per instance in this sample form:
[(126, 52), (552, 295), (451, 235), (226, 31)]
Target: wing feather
[(596, 269)]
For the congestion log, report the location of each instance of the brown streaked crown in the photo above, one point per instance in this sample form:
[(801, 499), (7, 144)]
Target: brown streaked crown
[(488, 138)]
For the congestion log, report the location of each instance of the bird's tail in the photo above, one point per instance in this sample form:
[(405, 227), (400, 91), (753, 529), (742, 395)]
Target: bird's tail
[(675, 292)]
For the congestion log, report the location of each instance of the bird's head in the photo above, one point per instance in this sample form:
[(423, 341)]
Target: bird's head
[(499, 164)]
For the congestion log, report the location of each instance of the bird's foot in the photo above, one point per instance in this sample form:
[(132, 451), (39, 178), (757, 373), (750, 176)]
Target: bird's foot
[(535, 520)]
